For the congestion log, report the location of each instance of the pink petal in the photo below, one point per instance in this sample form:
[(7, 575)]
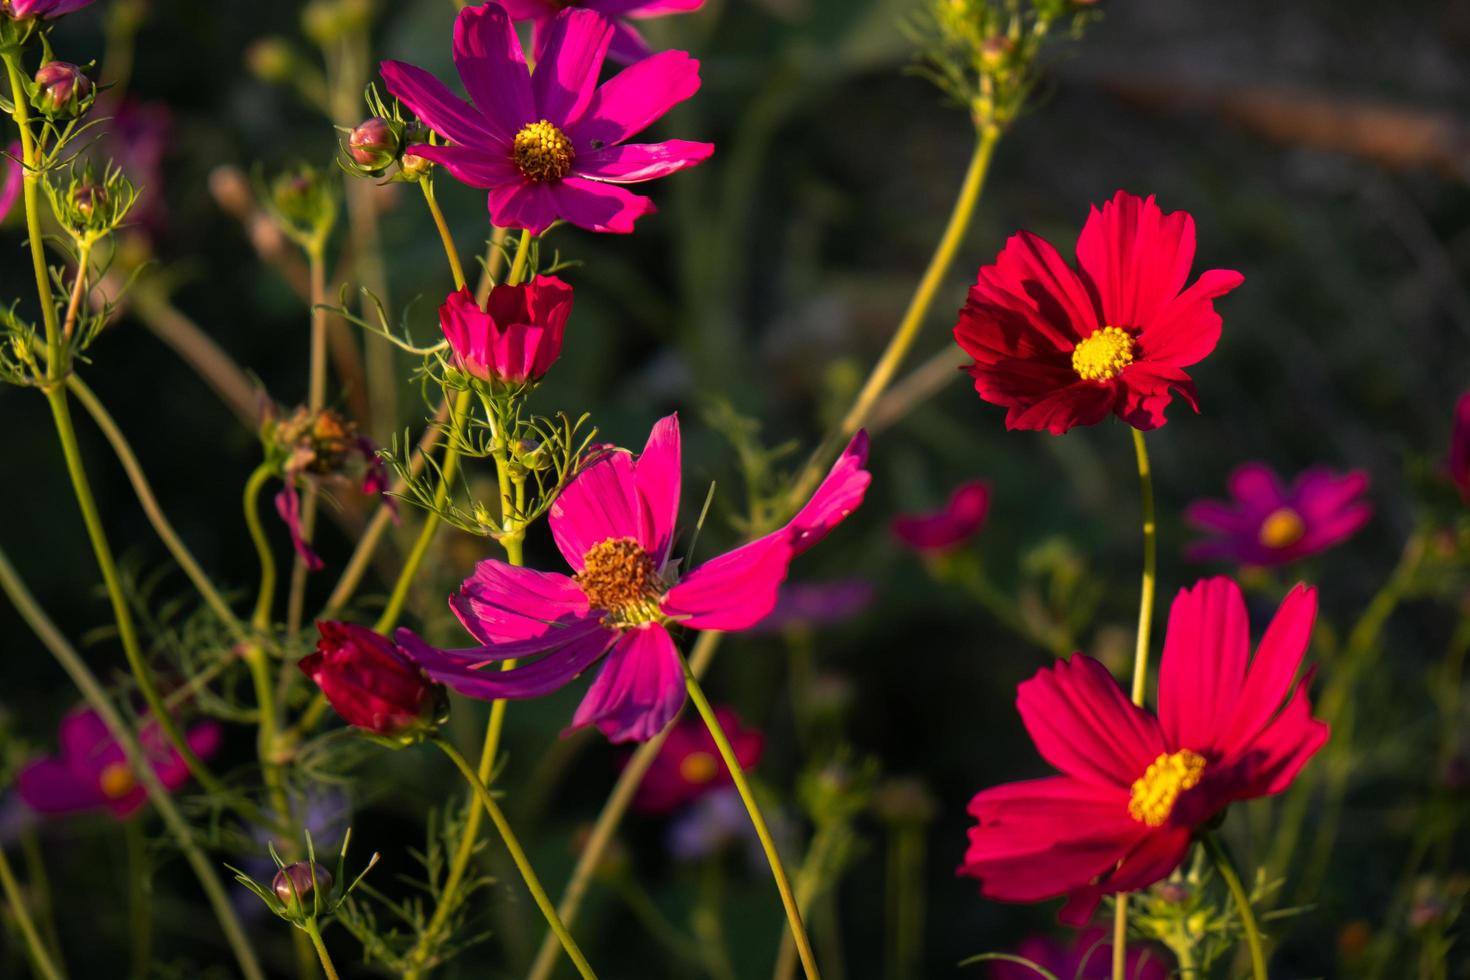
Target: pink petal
[(629, 163), (1145, 389), (628, 45), (530, 9), (1274, 667), (734, 591), (523, 205), (1256, 486), (657, 477), (838, 496), (640, 688), (575, 649), (492, 66), (1136, 256), (566, 75), (632, 100), (1032, 281), (440, 109), (1078, 403), (1205, 652), (597, 206), (502, 602), (1280, 751), (1083, 723), (50, 786), (601, 503), (12, 179), (288, 506), (471, 165), (1187, 329)]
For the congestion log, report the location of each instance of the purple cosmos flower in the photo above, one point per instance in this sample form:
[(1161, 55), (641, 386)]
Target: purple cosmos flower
[(11, 176), (1267, 524), (627, 44), (139, 137), (614, 524), (1459, 437), (950, 526), (23, 9), (550, 144), (91, 771), (812, 604)]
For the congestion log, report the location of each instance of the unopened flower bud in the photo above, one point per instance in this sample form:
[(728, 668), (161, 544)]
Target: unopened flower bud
[(370, 681), (374, 145), (294, 885), (88, 200), (63, 91), (414, 167)]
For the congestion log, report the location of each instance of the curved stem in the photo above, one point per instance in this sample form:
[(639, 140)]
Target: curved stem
[(96, 697), (456, 268), (1226, 868), (40, 958), (757, 820), (315, 932), (316, 398), (528, 874), (266, 594)]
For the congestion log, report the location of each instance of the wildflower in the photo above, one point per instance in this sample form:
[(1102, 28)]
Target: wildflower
[(517, 336), (91, 772), (368, 680), (12, 174), (952, 525), (1135, 787), (804, 605), (1060, 347), (614, 524), (1459, 437), (26, 9), (688, 766), (627, 44), (63, 91), (1089, 956), (1266, 524), (550, 145)]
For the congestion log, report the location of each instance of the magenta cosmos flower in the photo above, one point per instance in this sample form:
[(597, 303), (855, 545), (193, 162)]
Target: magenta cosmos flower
[(627, 44), (1060, 347), (1267, 524), (1459, 439), (952, 525), (23, 9), (516, 337), (550, 144), (614, 524), (688, 766), (1136, 786), (91, 772), (1088, 956)]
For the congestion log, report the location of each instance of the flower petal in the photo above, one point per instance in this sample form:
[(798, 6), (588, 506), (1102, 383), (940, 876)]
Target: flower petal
[(501, 602), (657, 477), (578, 647), (1158, 853), (440, 109), (51, 786), (566, 75), (1188, 328), (597, 206), (600, 503), (734, 591), (838, 495), (470, 164), (632, 100), (629, 163), (1206, 648), (639, 690), (1084, 724), (1136, 257), (523, 205), (492, 66), (1274, 667)]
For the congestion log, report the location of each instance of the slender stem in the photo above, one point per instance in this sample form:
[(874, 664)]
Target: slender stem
[(315, 932), (523, 255), (1226, 868), (140, 909), (523, 865), (37, 949), (78, 288), (316, 399), (96, 696), (31, 156), (1120, 938), (606, 826), (757, 820), (456, 268), (266, 594)]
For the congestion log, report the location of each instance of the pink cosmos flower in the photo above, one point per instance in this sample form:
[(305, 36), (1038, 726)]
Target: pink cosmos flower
[(12, 174), (952, 525), (22, 9), (550, 144), (1267, 524), (1089, 956), (614, 524), (1136, 786), (688, 766), (1060, 347), (92, 773), (516, 337), (1459, 441), (627, 44)]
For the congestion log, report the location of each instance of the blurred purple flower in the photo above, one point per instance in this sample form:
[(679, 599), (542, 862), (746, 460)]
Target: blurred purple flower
[(950, 526), (810, 604), (22, 9), (710, 824), (139, 137), (1267, 524), (11, 176), (1459, 436)]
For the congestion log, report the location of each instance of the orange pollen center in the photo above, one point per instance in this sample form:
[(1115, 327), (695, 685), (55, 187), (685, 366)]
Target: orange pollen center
[(1156, 791), (698, 768), (116, 781), (619, 576), (542, 152), (1282, 528), (1100, 356)]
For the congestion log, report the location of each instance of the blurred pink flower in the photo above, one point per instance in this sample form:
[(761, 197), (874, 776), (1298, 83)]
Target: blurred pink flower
[(813, 604), (689, 764), (516, 337), (614, 524), (22, 9), (1267, 524), (138, 138), (91, 771), (953, 524), (1136, 786), (627, 44), (1459, 441), (1089, 956), (12, 174), (549, 144)]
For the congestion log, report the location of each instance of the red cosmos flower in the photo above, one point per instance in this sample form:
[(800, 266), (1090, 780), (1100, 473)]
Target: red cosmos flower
[(1459, 445), (1060, 347), (516, 337), (1268, 524), (368, 680), (689, 764), (1136, 786), (952, 525)]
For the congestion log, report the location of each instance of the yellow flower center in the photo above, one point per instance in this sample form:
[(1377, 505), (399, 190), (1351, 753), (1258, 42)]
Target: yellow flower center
[(542, 152), (116, 781), (1282, 528), (1156, 791), (1101, 356), (698, 768), (619, 576)]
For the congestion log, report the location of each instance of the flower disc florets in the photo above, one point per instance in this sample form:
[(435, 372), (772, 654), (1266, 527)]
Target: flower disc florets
[(1102, 355), (542, 152), (618, 576)]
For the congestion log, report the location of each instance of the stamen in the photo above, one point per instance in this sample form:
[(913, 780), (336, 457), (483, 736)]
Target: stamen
[(1156, 791), (116, 781), (698, 768), (619, 577), (542, 152), (1282, 528), (1103, 354)]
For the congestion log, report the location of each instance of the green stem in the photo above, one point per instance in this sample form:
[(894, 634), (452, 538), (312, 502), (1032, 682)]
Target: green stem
[(522, 863), (31, 156), (523, 254), (757, 820), (316, 399), (140, 909), (265, 595), (315, 932), (96, 696), (1226, 869), (456, 268), (40, 958)]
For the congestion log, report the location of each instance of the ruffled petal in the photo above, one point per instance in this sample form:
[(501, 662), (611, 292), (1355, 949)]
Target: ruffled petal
[(1136, 257), (492, 66), (1274, 667), (1034, 299), (501, 602), (1206, 648), (1145, 389), (632, 100), (1280, 751), (600, 503), (639, 690), (566, 76), (1187, 329), (734, 591), (1158, 853), (629, 163)]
